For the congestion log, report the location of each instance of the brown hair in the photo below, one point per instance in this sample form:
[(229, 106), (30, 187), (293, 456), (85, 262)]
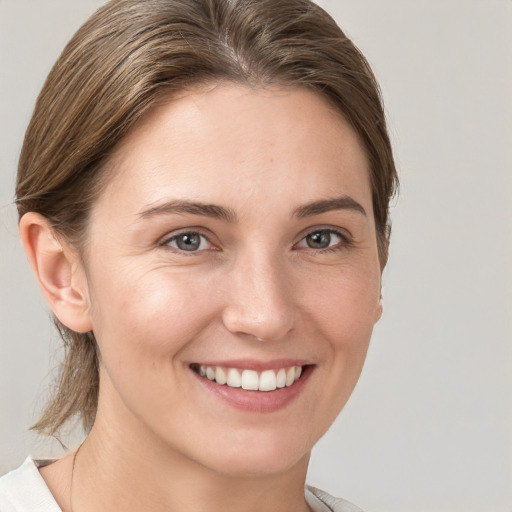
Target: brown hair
[(119, 64)]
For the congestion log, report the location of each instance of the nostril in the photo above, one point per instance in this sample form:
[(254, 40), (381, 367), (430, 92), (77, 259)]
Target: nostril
[(271, 325)]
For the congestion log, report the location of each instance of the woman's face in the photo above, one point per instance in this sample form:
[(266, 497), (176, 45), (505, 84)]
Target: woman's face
[(235, 238)]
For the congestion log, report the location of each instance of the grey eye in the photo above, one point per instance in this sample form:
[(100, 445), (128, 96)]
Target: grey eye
[(189, 242), (321, 239)]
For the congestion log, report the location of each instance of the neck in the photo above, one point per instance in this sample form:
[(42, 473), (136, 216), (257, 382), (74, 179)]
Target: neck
[(119, 469)]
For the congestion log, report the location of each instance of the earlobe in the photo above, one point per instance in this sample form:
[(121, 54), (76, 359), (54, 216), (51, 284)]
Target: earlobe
[(379, 311), (58, 271)]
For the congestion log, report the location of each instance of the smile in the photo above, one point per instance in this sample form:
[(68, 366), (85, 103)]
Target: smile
[(250, 380)]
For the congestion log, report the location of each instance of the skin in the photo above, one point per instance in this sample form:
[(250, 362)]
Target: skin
[(254, 290)]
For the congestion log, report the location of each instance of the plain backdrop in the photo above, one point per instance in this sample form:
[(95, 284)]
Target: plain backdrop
[(429, 427)]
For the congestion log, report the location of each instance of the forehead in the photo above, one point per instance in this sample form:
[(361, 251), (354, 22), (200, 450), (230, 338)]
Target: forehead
[(230, 141)]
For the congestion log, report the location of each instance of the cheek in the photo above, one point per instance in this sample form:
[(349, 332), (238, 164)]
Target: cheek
[(143, 321), (148, 315), (346, 304), (341, 307)]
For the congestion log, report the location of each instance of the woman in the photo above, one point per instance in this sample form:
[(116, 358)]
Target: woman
[(203, 196)]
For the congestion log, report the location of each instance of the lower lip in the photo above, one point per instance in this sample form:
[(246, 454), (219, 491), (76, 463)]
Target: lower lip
[(257, 401)]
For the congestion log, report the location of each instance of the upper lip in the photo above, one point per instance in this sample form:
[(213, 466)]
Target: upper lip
[(256, 365)]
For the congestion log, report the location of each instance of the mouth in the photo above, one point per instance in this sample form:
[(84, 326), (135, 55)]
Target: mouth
[(250, 379)]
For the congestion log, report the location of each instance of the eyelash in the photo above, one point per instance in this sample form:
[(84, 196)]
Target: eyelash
[(167, 241), (344, 242)]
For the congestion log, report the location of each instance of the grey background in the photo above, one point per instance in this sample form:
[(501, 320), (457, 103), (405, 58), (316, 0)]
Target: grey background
[(429, 427)]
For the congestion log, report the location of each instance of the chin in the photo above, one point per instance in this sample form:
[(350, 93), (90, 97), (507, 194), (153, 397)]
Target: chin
[(259, 459)]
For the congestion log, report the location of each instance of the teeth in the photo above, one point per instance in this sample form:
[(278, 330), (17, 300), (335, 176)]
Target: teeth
[(290, 376), (268, 381), (251, 380), (220, 375), (234, 380), (281, 378)]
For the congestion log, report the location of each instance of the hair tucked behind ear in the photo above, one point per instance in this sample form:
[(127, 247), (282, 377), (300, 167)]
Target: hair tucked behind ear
[(132, 53)]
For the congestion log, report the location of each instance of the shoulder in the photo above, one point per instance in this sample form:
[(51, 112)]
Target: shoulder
[(320, 501), (24, 490)]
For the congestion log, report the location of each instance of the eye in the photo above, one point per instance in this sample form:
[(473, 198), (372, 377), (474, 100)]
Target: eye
[(322, 239), (189, 242)]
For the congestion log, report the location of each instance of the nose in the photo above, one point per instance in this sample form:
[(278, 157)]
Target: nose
[(260, 301)]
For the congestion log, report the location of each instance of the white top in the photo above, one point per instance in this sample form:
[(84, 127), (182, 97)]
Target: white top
[(24, 490)]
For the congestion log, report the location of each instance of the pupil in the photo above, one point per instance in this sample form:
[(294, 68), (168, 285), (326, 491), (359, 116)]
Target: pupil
[(189, 242), (319, 240)]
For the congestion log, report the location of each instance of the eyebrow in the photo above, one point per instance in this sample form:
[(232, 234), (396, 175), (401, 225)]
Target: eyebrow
[(327, 205), (220, 212), (192, 207)]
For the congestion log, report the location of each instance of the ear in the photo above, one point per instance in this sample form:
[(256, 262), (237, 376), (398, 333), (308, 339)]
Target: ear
[(378, 312), (378, 309), (59, 272)]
